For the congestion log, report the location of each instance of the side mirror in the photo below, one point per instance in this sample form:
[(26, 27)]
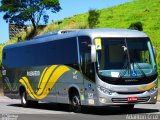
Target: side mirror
[(93, 53), (155, 52)]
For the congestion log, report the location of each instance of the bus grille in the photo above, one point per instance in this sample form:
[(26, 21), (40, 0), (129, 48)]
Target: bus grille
[(125, 100), (126, 93)]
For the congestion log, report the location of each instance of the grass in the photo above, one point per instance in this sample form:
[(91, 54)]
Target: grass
[(120, 16)]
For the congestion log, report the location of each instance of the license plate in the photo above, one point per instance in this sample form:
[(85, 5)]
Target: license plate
[(132, 99)]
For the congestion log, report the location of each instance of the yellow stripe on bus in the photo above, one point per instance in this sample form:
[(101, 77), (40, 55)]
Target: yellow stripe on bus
[(42, 76), (45, 79), (28, 87), (43, 92), (148, 87), (55, 76)]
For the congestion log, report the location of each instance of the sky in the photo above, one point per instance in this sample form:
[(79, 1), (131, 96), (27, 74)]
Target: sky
[(69, 8)]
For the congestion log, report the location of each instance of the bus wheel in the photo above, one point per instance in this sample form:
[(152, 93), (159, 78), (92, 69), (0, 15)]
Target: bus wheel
[(127, 108), (24, 99), (25, 102), (76, 104)]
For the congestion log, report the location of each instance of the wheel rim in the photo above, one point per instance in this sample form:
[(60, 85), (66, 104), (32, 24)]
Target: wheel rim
[(24, 98), (76, 104)]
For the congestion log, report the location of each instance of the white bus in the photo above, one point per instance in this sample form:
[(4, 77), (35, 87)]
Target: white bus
[(88, 67)]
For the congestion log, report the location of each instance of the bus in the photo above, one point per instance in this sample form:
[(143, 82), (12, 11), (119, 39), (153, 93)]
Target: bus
[(82, 67)]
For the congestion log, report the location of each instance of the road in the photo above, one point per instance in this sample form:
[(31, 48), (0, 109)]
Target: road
[(12, 109)]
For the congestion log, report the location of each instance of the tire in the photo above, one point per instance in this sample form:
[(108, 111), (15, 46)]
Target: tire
[(25, 102), (127, 108), (75, 104)]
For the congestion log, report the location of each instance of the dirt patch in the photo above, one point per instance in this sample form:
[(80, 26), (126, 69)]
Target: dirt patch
[(158, 94), (1, 92)]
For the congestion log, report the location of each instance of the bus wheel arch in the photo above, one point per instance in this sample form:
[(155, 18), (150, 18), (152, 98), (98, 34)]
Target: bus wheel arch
[(21, 90), (74, 100)]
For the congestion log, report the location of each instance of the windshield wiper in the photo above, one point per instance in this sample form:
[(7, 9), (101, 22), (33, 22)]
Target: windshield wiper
[(126, 66), (127, 61), (125, 69)]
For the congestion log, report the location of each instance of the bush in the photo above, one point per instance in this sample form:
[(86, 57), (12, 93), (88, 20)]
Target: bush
[(93, 18), (136, 26)]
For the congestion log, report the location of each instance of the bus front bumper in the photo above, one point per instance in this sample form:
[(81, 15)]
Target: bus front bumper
[(121, 99)]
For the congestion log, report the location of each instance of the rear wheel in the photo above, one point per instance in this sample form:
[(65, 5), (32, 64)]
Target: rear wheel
[(25, 102), (75, 103)]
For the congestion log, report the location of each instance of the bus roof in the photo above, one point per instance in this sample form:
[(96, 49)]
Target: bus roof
[(112, 32), (93, 33)]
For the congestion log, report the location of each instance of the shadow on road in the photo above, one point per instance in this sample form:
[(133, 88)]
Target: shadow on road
[(109, 110)]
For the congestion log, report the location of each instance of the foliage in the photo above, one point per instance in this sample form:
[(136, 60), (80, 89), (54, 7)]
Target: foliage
[(120, 16), (22, 11), (136, 26), (93, 18)]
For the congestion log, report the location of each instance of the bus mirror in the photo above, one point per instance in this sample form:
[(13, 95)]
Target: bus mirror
[(93, 53), (155, 52)]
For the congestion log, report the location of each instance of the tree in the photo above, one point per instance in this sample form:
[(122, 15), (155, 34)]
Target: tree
[(22, 11), (136, 26), (93, 18)]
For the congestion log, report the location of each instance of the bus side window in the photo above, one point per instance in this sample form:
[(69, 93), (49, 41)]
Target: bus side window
[(85, 52), (88, 66)]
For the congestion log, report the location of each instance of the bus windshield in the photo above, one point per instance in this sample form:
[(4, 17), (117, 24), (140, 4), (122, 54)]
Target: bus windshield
[(125, 57)]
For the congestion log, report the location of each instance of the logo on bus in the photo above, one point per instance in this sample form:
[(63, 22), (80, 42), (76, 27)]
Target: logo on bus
[(75, 76), (33, 73)]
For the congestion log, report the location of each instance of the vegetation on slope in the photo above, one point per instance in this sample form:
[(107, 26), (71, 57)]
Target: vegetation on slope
[(120, 16)]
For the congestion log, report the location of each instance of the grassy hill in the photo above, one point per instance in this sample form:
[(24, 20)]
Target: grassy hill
[(120, 16)]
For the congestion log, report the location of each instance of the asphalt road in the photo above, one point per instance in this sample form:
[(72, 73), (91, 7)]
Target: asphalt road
[(12, 110)]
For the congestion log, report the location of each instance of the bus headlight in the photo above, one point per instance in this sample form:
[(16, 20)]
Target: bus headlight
[(102, 100), (105, 90), (153, 89)]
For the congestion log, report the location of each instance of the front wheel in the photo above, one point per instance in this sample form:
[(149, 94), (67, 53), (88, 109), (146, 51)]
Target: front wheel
[(76, 104)]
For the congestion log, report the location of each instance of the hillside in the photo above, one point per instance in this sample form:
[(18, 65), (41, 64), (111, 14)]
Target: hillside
[(120, 16)]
